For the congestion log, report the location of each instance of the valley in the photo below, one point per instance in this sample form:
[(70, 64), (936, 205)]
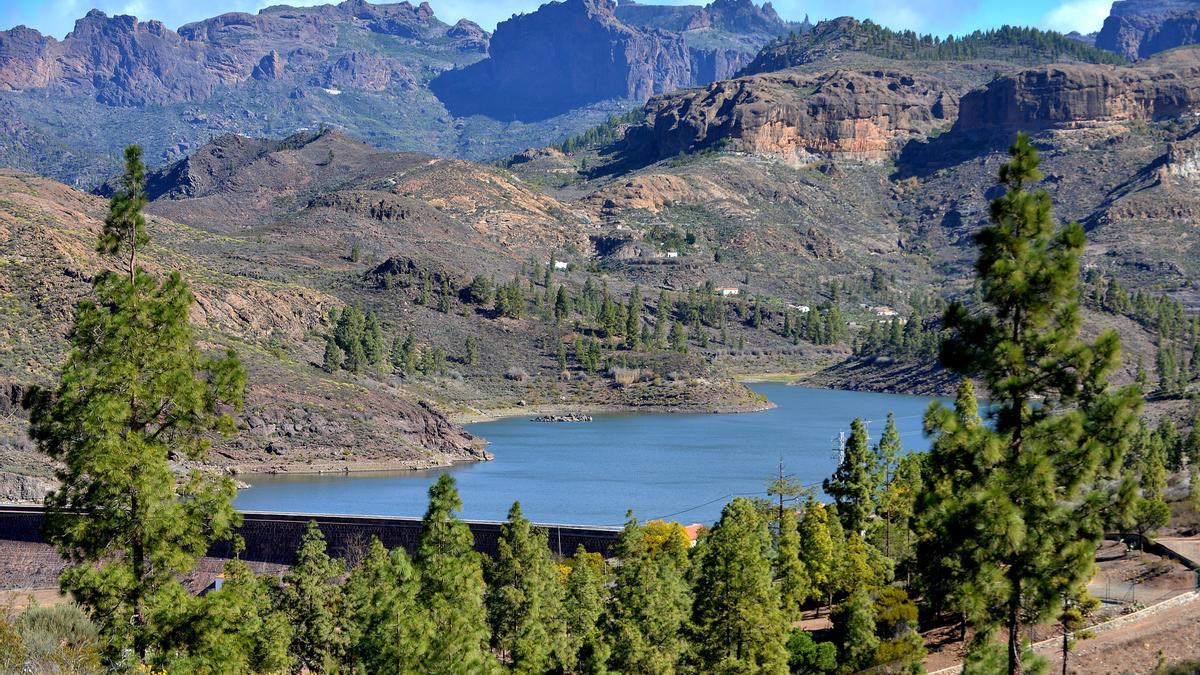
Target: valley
[(812, 220)]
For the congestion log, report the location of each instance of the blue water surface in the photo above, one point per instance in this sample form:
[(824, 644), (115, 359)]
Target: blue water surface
[(679, 466)]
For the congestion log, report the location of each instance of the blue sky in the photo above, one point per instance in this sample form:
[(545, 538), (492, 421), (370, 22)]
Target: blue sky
[(56, 17)]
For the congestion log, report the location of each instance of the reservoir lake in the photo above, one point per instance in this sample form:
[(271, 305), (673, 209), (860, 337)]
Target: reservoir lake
[(672, 466)]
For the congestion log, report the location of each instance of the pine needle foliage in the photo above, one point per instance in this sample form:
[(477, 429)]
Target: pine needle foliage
[(135, 391), (1029, 496)]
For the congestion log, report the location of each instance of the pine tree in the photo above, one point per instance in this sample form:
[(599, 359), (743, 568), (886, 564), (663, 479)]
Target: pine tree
[(372, 339), (583, 605), (794, 585), (332, 361), (1154, 470), (524, 600), (887, 459), (1034, 504), (816, 548), (350, 337), (852, 486), (633, 319), (854, 631), (562, 305), (452, 587), (679, 338), (315, 605), (470, 351), (133, 391), (650, 605), (737, 622), (662, 319), (387, 630)]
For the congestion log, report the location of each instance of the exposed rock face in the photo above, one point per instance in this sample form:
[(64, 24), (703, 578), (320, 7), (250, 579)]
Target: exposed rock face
[(575, 52), (1139, 28), (593, 57), (739, 16), (1067, 95), (20, 488), (365, 71), (859, 115), (270, 67), (1183, 160), (125, 62), (470, 35)]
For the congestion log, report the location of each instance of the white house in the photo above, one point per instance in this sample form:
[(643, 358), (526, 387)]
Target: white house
[(672, 254), (803, 309), (726, 291), (884, 310), (560, 265)]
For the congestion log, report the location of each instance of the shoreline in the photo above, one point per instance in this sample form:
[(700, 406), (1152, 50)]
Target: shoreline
[(480, 416)]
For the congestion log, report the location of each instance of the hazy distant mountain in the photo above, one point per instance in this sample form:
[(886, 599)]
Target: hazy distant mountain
[(1140, 28), (68, 106)]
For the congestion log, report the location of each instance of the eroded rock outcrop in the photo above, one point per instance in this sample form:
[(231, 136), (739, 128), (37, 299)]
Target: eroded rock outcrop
[(575, 52), (861, 115), (1080, 94)]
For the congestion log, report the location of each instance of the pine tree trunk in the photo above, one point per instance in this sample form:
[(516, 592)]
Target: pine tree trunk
[(1066, 645), (138, 555), (1014, 631)]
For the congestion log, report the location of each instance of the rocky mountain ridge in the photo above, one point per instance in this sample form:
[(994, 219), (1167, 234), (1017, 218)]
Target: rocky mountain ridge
[(1141, 28), (864, 115), (599, 56), (122, 61)]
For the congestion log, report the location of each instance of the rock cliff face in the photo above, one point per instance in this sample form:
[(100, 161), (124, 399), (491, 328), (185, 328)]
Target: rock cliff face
[(851, 114), (125, 62), (575, 52), (1071, 95), (1140, 28), (565, 55)]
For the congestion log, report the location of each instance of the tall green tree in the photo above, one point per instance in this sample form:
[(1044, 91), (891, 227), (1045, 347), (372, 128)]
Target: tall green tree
[(524, 599), (372, 339), (854, 632), (816, 548), (332, 361), (633, 319), (795, 587), (651, 603), (349, 334), (562, 305), (853, 484), (316, 605), (583, 606), (738, 625), (134, 391), (1033, 503), (452, 587), (387, 629)]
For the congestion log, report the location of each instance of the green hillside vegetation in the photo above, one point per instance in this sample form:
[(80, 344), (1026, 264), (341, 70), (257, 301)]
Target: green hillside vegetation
[(1023, 45), (602, 134)]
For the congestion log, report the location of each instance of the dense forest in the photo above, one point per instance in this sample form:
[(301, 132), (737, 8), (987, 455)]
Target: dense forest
[(1007, 43)]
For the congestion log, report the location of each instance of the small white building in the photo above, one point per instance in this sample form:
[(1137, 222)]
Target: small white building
[(672, 254), (884, 310), (727, 291), (561, 265), (803, 309)]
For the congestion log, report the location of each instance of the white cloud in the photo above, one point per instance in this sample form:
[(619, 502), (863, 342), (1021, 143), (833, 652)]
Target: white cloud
[(1085, 16)]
